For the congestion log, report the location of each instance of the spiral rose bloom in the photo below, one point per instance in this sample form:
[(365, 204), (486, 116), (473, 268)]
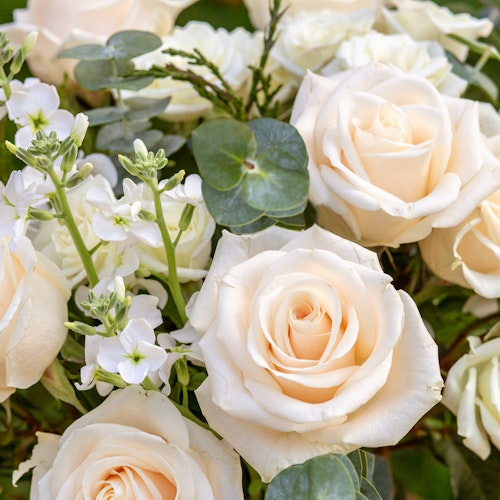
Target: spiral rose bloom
[(33, 297), (134, 445), (472, 393), (390, 158), (258, 10), (62, 24), (309, 349)]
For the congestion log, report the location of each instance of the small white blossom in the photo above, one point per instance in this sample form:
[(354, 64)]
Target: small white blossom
[(133, 353), (34, 106)]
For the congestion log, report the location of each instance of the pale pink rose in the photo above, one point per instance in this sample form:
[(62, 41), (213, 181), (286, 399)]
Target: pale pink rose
[(309, 349), (134, 445), (65, 23), (390, 158), (33, 297)]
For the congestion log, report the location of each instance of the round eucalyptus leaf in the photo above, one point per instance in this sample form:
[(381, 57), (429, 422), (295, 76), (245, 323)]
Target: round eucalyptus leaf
[(87, 52), (322, 478), (254, 227), (140, 108), (132, 43), (228, 207), (221, 149), (101, 116)]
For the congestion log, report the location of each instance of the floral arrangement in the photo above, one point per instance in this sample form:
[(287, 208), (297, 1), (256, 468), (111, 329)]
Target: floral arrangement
[(257, 262)]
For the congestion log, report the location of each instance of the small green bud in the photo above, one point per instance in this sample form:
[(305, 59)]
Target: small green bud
[(174, 181), (186, 216), (29, 42), (181, 369), (147, 216), (79, 129), (40, 214), (17, 62), (111, 378), (140, 149), (68, 161), (80, 327), (127, 164)]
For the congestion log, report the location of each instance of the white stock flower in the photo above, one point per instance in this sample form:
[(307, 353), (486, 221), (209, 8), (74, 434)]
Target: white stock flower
[(135, 445), (34, 106), (132, 353), (232, 52), (309, 349), (53, 239), (390, 158), (425, 20), (61, 25), (423, 59), (117, 220), (472, 393)]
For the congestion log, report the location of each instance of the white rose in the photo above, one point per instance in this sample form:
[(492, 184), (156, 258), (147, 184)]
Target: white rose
[(469, 254), (62, 25), (309, 349), (424, 20), (136, 445), (389, 156), (33, 297), (424, 59), (53, 238), (309, 40), (258, 10), (232, 52), (193, 249), (471, 393)]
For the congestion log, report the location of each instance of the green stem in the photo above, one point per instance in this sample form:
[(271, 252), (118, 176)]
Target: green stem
[(70, 223), (191, 416), (173, 280)]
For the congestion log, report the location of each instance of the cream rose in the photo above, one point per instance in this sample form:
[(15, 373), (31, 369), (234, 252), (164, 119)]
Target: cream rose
[(63, 24), (309, 349), (232, 52), (424, 59), (33, 297), (469, 254), (424, 20), (258, 10), (389, 156), (134, 445), (472, 393)]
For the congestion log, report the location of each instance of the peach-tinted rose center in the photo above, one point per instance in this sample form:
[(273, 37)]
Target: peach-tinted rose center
[(126, 482)]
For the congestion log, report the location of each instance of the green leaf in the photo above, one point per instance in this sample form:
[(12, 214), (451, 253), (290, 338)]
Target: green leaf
[(220, 148), (228, 207), (87, 52), (254, 227), (142, 108), (369, 490), (327, 477), (132, 43), (101, 116), (55, 381), (125, 145), (419, 472), (99, 75)]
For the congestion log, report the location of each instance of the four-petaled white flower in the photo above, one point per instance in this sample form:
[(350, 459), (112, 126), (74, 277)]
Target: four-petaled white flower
[(133, 353), (119, 219), (34, 106)]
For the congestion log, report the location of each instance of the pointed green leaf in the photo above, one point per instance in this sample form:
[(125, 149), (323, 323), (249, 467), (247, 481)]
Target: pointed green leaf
[(87, 52), (132, 43), (327, 477), (141, 108), (220, 148), (228, 207), (101, 116)]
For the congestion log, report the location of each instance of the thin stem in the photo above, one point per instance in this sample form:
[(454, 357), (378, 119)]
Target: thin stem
[(70, 223), (173, 280)]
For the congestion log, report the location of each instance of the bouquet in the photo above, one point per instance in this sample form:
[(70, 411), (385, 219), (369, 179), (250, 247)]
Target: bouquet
[(249, 250)]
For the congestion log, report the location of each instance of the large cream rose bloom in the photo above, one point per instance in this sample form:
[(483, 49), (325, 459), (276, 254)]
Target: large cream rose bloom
[(33, 297), (469, 254), (258, 10), (390, 158), (62, 24), (135, 445), (309, 349), (472, 393)]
